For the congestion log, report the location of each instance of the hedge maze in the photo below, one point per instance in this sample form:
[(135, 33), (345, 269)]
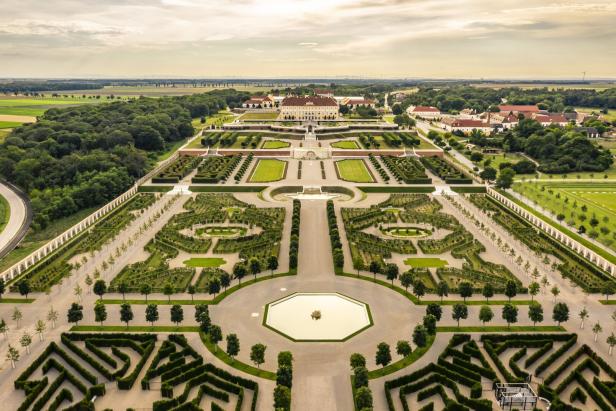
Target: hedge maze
[(70, 374), (420, 209), (573, 377), (56, 266), (446, 171), (406, 169), (177, 170), (184, 232), (581, 271), (216, 169), (394, 140)]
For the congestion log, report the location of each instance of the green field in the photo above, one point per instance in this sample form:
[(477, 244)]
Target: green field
[(259, 116), (23, 106), (421, 262), (217, 119), (497, 159), (4, 134), (268, 170), (275, 144), (9, 124), (354, 170), (153, 91), (578, 202), (5, 213), (204, 262), (346, 145)]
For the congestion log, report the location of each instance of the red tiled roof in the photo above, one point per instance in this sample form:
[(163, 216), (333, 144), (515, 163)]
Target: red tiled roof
[(323, 91), (424, 109), (464, 122), (309, 101), (360, 101), (519, 108)]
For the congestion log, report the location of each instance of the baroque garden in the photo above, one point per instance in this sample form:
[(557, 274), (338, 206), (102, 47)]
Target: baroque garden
[(282, 263)]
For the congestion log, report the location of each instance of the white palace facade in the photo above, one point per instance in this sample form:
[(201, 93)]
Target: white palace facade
[(308, 108)]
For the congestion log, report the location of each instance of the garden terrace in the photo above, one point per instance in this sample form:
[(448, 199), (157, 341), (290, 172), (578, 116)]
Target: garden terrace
[(215, 169), (407, 169), (572, 266), (50, 270), (389, 140), (177, 170), (77, 369), (446, 171), (228, 139)]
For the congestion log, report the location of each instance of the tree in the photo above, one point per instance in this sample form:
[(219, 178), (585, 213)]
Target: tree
[(459, 312), (583, 316), (596, 330), (357, 360), (213, 286), (272, 263), (233, 346), (17, 315), (406, 279), (255, 266), (215, 335), (360, 375), (442, 289), (75, 313), (24, 288), (383, 354), (145, 289), (126, 313), (505, 178), (429, 322), (511, 289), (177, 314), (434, 309), (560, 313), (25, 341), (285, 358), (611, 341), (420, 336), (100, 312), (535, 313), (2, 287), (257, 354), (555, 291), (100, 288), (239, 271), (168, 291), (363, 398), (533, 289), (4, 328), (403, 348), (192, 290), (282, 397), (123, 288), (488, 291), (510, 314), (12, 355), (466, 290), (608, 289), (391, 271), (52, 317), (397, 109), (78, 291), (284, 375), (419, 289), (225, 280), (375, 268), (488, 174), (485, 314), (151, 313)]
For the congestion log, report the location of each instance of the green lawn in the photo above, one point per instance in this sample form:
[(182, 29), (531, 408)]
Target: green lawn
[(268, 170), (5, 213), (259, 116), (500, 329), (610, 116), (354, 170), (578, 202), (205, 262), (497, 159), (346, 145), (275, 144), (9, 124), (425, 262)]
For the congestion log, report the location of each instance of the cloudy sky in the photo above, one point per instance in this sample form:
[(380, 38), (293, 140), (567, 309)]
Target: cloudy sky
[(308, 38)]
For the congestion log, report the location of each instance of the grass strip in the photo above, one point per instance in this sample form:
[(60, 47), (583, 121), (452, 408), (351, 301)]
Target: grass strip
[(501, 329), (16, 300), (135, 328), (403, 363)]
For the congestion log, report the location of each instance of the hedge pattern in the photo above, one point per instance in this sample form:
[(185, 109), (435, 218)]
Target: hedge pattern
[(177, 170), (446, 171)]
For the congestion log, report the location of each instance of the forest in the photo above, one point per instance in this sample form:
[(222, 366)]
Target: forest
[(453, 99), (80, 157)]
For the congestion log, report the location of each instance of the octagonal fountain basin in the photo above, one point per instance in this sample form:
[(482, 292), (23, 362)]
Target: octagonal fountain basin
[(317, 317)]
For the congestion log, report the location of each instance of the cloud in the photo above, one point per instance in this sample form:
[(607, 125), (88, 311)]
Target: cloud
[(308, 44)]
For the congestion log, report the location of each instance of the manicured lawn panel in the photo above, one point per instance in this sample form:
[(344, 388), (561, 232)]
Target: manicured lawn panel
[(275, 144), (354, 170), (346, 145), (268, 170), (425, 262), (204, 262)]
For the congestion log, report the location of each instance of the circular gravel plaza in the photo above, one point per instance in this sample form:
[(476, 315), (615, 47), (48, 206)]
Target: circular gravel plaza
[(317, 317)]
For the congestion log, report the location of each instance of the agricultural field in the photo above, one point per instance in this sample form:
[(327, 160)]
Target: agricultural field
[(172, 90), (36, 106), (275, 144), (268, 170), (354, 170), (9, 124), (570, 374), (584, 204), (346, 145)]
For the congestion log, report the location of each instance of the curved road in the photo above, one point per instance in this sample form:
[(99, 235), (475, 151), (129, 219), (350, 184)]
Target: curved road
[(19, 220)]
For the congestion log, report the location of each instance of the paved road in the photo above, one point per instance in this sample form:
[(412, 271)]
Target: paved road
[(425, 127), (19, 220)]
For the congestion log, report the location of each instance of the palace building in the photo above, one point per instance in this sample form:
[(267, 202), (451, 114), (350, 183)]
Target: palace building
[(308, 108)]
